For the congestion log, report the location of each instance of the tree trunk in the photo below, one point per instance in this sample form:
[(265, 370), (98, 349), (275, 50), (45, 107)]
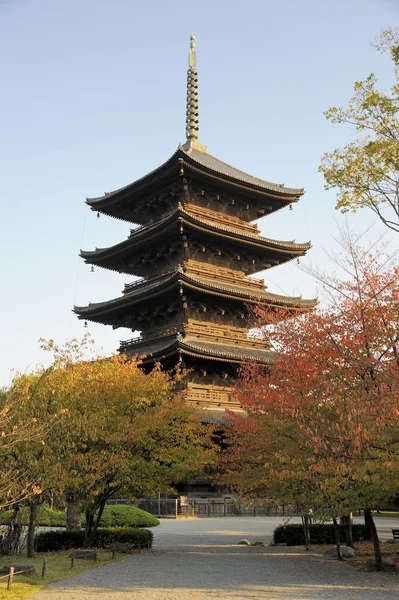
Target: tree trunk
[(348, 530), (73, 520), (89, 535), (33, 508), (93, 521), (374, 537), (306, 531), (337, 540), (367, 524)]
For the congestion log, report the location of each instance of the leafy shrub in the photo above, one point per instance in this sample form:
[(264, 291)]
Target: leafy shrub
[(51, 541), (320, 533), (47, 517), (113, 516), (118, 515)]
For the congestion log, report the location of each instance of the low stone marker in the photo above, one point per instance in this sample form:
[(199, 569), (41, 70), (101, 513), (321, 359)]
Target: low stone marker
[(30, 569)]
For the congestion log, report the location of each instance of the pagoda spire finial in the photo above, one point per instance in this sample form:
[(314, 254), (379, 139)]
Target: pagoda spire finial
[(192, 120), (192, 114)]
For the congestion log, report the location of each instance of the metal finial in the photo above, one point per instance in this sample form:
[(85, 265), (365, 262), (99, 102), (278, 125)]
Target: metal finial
[(192, 58), (192, 120)]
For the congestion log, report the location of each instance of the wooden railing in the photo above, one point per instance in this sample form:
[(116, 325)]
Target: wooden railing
[(222, 275), (209, 394), (220, 218), (236, 336)]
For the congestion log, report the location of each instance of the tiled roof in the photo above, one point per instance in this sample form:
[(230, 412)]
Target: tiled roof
[(212, 165), (212, 351), (185, 217), (135, 292), (235, 353)]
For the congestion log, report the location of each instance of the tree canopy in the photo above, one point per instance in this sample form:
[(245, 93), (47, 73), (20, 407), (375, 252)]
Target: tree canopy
[(115, 429), (321, 426), (366, 171)]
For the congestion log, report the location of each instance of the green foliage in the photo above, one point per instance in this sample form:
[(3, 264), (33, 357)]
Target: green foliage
[(366, 171), (50, 541), (127, 516), (115, 430), (47, 517), (113, 516), (320, 533)]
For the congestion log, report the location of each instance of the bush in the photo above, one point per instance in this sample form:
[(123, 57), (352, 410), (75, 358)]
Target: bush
[(51, 541), (118, 515), (113, 516), (47, 517), (320, 533)]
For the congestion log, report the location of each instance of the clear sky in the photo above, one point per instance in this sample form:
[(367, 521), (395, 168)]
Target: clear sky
[(93, 97)]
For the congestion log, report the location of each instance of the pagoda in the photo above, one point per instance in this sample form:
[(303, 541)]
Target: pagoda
[(195, 251)]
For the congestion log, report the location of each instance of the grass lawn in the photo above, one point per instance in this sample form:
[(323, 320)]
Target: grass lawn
[(58, 567)]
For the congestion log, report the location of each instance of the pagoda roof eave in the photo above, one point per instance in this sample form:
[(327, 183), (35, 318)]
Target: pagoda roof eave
[(200, 162), (144, 290), (171, 345), (184, 217), (217, 166)]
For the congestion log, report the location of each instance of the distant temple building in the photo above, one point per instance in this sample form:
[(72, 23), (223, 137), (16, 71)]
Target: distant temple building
[(195, 250)]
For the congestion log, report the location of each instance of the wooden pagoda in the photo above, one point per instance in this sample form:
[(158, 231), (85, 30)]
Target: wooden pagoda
[(195, 251)]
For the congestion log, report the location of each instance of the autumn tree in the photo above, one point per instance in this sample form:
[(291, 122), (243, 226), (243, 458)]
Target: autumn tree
[(34, 459), (118, 431), (321, 426), (16, 429), (366, 171)]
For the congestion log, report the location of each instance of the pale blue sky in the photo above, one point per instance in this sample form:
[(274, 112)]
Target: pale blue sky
[(93, 97)]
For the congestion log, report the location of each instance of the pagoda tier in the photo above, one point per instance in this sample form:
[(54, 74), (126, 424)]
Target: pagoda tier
[(214, 184), (212, 363), (200, 234), (172, 299)]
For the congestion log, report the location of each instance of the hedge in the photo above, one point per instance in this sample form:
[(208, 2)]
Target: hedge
[(113, 516), (118, 515), (51, 541), (47, 517), (320, 533)]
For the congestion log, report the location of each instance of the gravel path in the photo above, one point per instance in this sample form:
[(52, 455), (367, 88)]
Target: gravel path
[(200, 560)]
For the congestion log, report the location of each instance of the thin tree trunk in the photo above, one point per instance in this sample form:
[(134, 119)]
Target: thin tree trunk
[(348, 530), (73, 519), (33, 508), (99, 515), (367, 524), (89, 527), (337, 540), (374, 537), (306, 531)]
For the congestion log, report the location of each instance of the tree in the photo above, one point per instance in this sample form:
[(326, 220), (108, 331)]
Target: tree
[(321, 426), (366, 171), (118, 430), (34, 459), (16, 429)]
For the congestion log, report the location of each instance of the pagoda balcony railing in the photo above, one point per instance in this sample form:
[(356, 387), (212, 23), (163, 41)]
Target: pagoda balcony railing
[(210, 395), (129, 286), (149, 337)]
